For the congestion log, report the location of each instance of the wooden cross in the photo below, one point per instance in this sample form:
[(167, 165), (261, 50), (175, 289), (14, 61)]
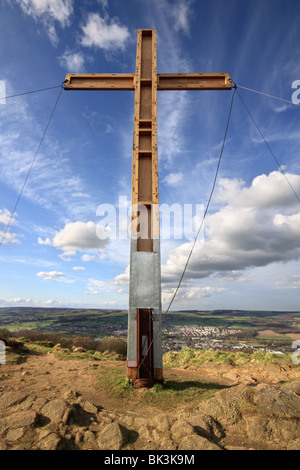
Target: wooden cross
[(144, 356)]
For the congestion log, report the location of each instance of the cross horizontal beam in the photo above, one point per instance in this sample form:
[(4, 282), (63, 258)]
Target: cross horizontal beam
[(194, 81), (165, 81), (99, 81)]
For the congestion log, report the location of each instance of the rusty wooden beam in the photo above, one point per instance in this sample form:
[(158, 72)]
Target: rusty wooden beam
[(165, 81), (100, 81), (194, 81)]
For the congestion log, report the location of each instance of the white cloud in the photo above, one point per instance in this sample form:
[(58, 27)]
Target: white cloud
[(77, 236), (123, 278), (49, 12), (87, 257), (73, 62), (263, 193), (78, 268), (9, 237), (104, 33), (46, 242), (5, 217), (173, 179), (254, 227), (180, 13), (15, 300), (50, 276), (189, 293)]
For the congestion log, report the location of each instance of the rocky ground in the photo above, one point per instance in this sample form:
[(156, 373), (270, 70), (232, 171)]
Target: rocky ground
[(50, 403)]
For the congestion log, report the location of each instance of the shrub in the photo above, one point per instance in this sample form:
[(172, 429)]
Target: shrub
[(116, 345), (4, 334), (85, 342)]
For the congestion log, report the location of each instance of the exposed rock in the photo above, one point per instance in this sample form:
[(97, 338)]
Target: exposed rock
[(89, 437), (277, 401), (71, 396), (257, 428), (162, 422), (11, 399), (14, 434), (113, 437), (18, 420), (149, 434), (168, 444), (294, 386), (294, 445), (180, 429), (195, 442), (80, 417), (226, 406), (57, 410), (87, 406), (210, 428), (51, 442)]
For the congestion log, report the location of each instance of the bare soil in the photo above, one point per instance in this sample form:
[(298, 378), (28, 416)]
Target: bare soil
[(229, 413)]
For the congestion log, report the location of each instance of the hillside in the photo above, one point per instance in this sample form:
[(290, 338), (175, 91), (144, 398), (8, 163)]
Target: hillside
[(53, 398), (220, 329)]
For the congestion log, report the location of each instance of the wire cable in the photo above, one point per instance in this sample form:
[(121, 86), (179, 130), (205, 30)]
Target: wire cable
[(31, 166), (199, 229), (266, 94), (269, 148), (30, 92)]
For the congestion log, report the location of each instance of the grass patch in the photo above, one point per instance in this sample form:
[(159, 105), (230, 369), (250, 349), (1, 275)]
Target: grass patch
[(115, 382), (179, 392), (187, 357), (163, 396)]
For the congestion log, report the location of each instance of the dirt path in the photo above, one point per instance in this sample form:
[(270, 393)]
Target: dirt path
[(46, 376), (40, 389)]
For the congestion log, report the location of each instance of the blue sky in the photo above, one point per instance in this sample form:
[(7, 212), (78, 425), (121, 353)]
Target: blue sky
[(248, 257)]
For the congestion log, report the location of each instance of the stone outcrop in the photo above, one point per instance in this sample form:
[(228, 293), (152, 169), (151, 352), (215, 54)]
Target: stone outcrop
[(264, 416)]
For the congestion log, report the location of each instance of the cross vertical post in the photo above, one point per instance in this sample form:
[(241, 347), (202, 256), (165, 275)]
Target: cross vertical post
[(144, 356), (144, 350)]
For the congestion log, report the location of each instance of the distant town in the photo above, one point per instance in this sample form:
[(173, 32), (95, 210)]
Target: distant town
[(216, 329)]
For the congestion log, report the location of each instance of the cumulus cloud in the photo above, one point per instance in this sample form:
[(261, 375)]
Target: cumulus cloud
[(104, 33), (78, 236), (50, 276), (49, 12), (254, 227), (173, 179), (78, 268), (266, 191), (73, 62)]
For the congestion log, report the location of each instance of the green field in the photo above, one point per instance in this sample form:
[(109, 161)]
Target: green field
[(61, 320), (102, 322)]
